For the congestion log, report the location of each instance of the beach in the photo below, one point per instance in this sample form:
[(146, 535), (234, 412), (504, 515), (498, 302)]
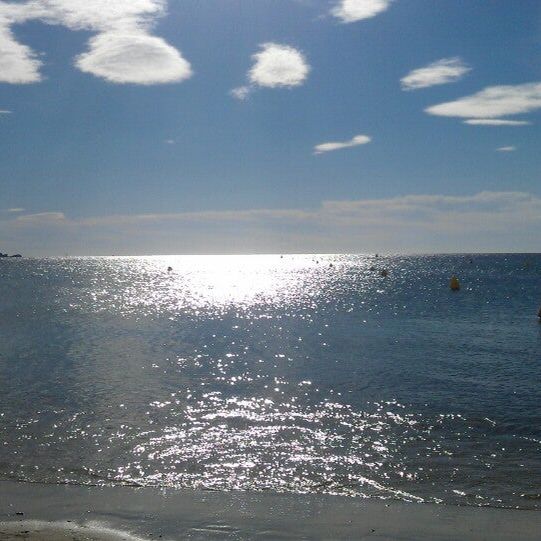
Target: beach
[(56, 512)]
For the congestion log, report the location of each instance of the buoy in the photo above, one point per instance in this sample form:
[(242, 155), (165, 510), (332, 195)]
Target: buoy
[(454, 284), (384, 273), (372, 269), (539, 314), (169, 269)]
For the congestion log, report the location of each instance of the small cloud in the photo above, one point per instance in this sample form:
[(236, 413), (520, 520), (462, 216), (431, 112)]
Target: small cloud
[(492, 102), (444, 71), (169, 141), (134, 57), (5, 112), (506, 149), (495, 122), (277, 65), (355, 141), (42, 217), (350, 11), (17, 209), (241, 92)]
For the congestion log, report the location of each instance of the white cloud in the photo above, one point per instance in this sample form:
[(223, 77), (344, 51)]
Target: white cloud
[(277, 65), (506, 149), (355, 141), (350, 11), (241, 92), (169, 141), (17, 209), (122, 51), (18, 63), (495, 122), (42, 218), (4, 112), (486, 221), (493, 102), (446, 70), (133, 58)]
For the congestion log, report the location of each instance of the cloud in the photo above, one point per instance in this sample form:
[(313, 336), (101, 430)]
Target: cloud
[(277, 65), (122, 51), (133, 58), (350, 11), (16, 209), (5, 112), (241, 92), (355, 141), (169, 141), (506, 149), (495, 122), (446, 70), (18, 63), (492, 102), (42, 218), (486, 221)]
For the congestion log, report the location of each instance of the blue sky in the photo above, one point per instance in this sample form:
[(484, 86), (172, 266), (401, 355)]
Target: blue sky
[(121, 133)]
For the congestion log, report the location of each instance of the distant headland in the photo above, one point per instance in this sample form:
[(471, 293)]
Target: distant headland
[(6, 255)]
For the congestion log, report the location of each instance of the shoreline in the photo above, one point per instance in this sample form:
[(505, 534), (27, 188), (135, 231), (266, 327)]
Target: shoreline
[(70, 512)]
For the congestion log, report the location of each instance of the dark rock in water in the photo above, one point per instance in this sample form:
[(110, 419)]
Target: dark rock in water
[(6, 255), (16, 255)]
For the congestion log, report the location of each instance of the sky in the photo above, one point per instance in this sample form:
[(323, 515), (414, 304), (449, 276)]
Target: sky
[(269, 126)]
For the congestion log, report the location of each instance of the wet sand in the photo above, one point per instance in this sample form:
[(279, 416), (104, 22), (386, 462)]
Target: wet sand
[(58, 513)]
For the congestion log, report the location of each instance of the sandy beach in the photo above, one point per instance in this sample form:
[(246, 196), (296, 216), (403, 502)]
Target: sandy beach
[(57, 513)]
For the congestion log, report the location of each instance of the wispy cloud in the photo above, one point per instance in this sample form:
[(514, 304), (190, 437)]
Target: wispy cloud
[(241, 92), (353, 142), (495, 122), (507, 149), (481, 222), (42, 218), (15, 209), (275, 65), (4, 111), (446, 70), (122, 51), (492, 102), (169, 141), (350, 11)]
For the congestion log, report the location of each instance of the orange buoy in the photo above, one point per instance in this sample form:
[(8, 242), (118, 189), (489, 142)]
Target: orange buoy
[(454, 284)]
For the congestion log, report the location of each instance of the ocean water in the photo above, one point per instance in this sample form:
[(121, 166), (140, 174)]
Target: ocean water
[(308, 374)]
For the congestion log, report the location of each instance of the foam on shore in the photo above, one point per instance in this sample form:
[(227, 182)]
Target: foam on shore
[(38, 530), (67, 513)]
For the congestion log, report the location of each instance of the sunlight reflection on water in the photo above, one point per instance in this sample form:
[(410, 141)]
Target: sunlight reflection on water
[(293, 373)]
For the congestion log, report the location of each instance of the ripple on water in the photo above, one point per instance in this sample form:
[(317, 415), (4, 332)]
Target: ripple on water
[(261, 373)]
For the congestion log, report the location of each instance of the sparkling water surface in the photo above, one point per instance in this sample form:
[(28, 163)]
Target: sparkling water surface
[(294, 374)]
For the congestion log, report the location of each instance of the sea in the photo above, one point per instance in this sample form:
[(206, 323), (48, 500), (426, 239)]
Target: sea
[(291, 374)]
